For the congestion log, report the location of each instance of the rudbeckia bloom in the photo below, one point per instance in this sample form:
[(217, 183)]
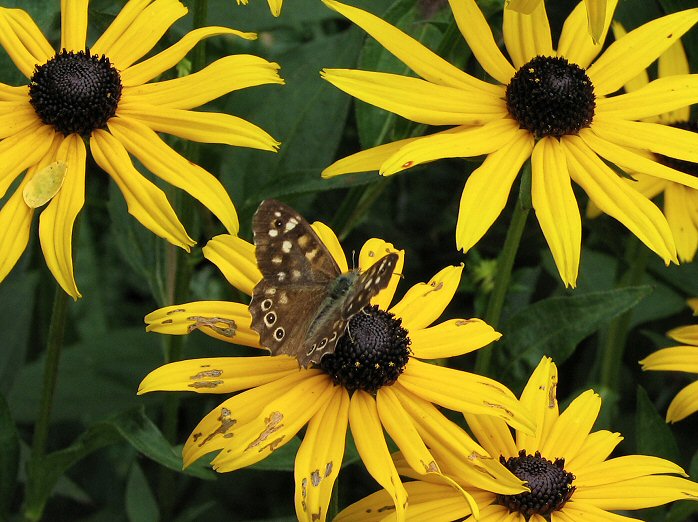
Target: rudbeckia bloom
[(554, 106), (680, 202), (596, 13), (682, 358), (99, 93), (374, 380), (565, 465), (274, 5)]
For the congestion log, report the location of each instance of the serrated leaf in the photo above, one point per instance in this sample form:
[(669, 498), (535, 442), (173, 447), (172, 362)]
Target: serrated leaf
[(654, 436), (9, 458), (555, 326)]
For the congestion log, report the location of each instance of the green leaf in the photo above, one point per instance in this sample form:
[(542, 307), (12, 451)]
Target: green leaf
[(141, 505), (654, 436), (555, 326), (9, 458)]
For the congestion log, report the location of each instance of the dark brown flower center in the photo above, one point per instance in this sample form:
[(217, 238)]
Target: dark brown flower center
[(75, 92), (551, 486), (684, 166), (551, 97), (372, 353)]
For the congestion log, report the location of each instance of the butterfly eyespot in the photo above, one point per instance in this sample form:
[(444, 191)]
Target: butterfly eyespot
[(278, 223), (310, 352), (270, 319), (334, 336), (323, 343), (266, 305), (279, 333)]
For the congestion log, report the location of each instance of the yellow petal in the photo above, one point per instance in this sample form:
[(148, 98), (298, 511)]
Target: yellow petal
[(556, 207), (146, 202), (140, 35), (370, 443), (596, 448), (685, 334), (373, 250), (465, 392), (676, 358), (205, 127), (678, 202), (638, 493), (624, 468), (230, 322), (522, 6), (575, 511), (22, 150), (657, 97), (44, 184), (625, 58), (165, 163), (14, 94), (613, 196), (221, 77), (487, 189), (366, 160), (539, 397), (575, 44), (217, 374), (461, 142), (684, 404), (319, 457), (566, 436), (58, 218), (633, 84), (635, 161), (235, 258), (128, 14), (477, 33), (16, 116), (73, 24), (398, 423), (421, 60), (418, 100), (597, 10), (494, 434), (15, 226), (154, 66), (674, 62), (452, 338), (425, 302), (23, 40), (527, 35)]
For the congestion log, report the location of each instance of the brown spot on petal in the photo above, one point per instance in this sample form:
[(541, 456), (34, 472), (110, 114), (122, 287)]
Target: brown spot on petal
[(207, 373), (463, 322), (226, 423), (205, 384), (273, 424), (432, 467), (499, 407), (176, 311), (214, 323), (315, 478), (328, 469)]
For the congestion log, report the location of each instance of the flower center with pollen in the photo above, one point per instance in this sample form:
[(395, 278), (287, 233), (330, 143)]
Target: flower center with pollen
[(687, 167), (551, 97), (551, 486), (372, 352), (75, 92)]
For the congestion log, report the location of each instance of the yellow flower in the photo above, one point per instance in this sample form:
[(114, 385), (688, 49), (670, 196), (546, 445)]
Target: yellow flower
[(596, 13), (374, 380), (682, 358), (274, 5), (565, 464), (553, 106), (680, 202), (102, 95)]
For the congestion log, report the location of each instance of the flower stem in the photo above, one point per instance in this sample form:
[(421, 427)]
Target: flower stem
[(613, 345), (505, 264)]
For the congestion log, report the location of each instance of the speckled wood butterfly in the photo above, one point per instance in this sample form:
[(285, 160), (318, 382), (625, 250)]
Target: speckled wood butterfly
[(303, 303)]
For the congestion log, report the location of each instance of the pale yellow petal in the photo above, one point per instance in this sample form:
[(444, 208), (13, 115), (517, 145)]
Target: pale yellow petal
[(674, 62), (684, 404), (21, 151), (73, 24), (15, 226), (678, 202), (575, 44)]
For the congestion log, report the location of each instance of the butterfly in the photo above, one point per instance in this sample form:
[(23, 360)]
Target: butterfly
[(303, 303)]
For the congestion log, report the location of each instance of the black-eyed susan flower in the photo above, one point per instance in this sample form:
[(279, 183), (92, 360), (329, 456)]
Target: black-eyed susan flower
[(565, 465), (555, 106), (596, 13), (375, 379), (102, 93), (683, 358), (274, 5), (680, 202)]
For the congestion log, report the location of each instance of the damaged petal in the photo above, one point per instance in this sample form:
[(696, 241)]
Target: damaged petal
[(226, 423), (205, 384), (509, 413), (273, 424), (214, 323)]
